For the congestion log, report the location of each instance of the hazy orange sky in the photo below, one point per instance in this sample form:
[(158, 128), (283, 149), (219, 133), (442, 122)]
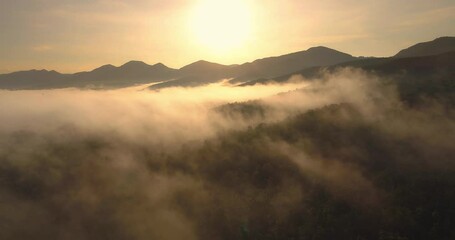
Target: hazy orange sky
[(75, 35)]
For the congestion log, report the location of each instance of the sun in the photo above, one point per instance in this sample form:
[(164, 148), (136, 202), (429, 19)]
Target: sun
[(221, 25)]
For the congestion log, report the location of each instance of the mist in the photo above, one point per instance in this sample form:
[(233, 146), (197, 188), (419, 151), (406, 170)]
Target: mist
[(338, 157)]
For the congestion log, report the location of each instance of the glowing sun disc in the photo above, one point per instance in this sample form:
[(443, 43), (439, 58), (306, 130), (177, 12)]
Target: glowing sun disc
[(221, 24)]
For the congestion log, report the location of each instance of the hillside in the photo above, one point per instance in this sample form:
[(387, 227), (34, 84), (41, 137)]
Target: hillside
[(412, 67), (437, 46)]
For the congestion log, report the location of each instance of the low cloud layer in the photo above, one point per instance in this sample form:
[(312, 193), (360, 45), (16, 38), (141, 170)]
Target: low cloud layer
[(182, 163)]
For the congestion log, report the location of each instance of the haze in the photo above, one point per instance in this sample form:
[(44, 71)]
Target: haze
[(70, 35), (227, 120)]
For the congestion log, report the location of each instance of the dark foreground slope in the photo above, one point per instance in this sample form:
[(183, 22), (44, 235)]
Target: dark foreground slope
[(357, 179)]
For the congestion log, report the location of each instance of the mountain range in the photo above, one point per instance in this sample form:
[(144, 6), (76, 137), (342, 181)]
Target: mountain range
[(279, 68)]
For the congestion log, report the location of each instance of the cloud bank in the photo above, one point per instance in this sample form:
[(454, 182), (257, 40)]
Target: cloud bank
[(343, 153)]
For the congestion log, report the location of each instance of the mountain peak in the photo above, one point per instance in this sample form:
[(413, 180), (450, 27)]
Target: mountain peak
[(159, 65), (201, 62), (324, 50), (42, 71), (106, 67), (139, 65), (319, 48), (202, 65), (134, 63)]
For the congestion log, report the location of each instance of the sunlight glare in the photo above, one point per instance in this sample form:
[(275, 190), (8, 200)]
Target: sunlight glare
[(221, 25)]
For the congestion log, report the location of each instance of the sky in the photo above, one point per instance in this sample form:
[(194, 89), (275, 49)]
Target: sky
[(80, 35)]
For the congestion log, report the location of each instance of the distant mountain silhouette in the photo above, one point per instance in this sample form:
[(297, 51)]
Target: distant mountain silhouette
[(107, 76), (308, 62), (437, 46), (203, 72), (33, 79), (202, 66), (131, 73), (276, 66), (196, 74), (442, 65)]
